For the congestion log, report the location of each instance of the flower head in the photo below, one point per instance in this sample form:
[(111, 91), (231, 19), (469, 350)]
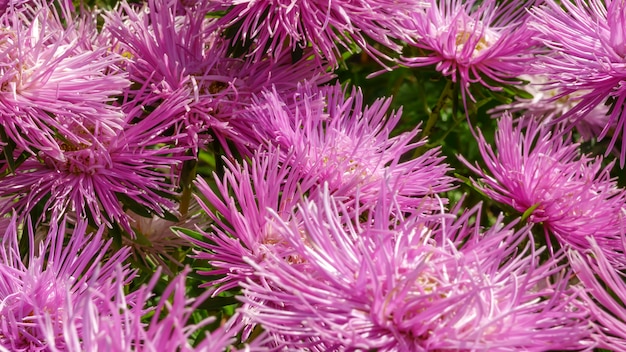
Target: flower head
[(95, 178), (417, 284), (486, 42), (541, 173), (348, 145), (55, 85), (38, 293), (587, 58), (272, 28)]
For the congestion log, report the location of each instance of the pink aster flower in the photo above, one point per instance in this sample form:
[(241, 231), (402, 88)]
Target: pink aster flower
[(38, 287), (239, 209), (111, 320), (604, 292), (97, 178), (486, 42), (587, 58), (173, 48), (542, 173), (55, 87), (271, 28), (348, 145), (417, 284)]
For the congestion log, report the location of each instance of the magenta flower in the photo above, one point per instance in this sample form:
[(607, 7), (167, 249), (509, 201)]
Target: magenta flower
[(174, 50), (587, 58), (275, 28), (604, 292), (414, 284), (347, 145), (543, 174), (95, 180), (240, 208), (55, 86), (486, 42), (38, 294), (111, 320)]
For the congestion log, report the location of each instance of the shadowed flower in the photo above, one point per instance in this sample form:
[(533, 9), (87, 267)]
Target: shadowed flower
[(172, 48), (41, 287), (274, 28), (96, 179), (486, 42), (587, 58), (542, 174), (418, 284)]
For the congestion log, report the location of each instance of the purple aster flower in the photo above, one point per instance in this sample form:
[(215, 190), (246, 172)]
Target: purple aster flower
[(114, 321), (239, 209), (271, 28), (95, 180), (414, 284), (55, 87), (542, 173), (587, 58), (604, 294), (41, 287), (173, 48), (348, 145), (486, 42)]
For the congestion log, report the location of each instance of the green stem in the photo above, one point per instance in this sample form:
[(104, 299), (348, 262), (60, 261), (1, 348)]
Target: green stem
[(188, 174), (435, 114)]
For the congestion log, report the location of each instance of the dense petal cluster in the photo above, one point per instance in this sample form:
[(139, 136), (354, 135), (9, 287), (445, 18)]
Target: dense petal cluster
[(42, 288), (348, 145), (55, 85), (587, 58), (542, 174), (486, 42), (94, 179), (425, 283), (274, 27)]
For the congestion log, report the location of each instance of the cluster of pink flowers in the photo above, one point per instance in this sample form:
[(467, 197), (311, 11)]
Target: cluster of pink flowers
[(180, 175)]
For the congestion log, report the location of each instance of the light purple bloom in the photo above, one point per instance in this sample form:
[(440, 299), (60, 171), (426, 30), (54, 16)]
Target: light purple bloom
[(587, 58), (95, 179), (240, 209), (114, 321), (486, 42), (55, 86), (604, 292), (274, 28), (542, 173), (340, 141), (173, 50), (37, 294), (414, 284)]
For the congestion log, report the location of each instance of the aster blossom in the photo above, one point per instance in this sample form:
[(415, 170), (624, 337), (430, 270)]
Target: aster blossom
[(274, 28), (174, 49), (348, 145), (486, 42), (97, 179), (37, 294), (56, 85), (587, 41), (420, 283), (541, 173)]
